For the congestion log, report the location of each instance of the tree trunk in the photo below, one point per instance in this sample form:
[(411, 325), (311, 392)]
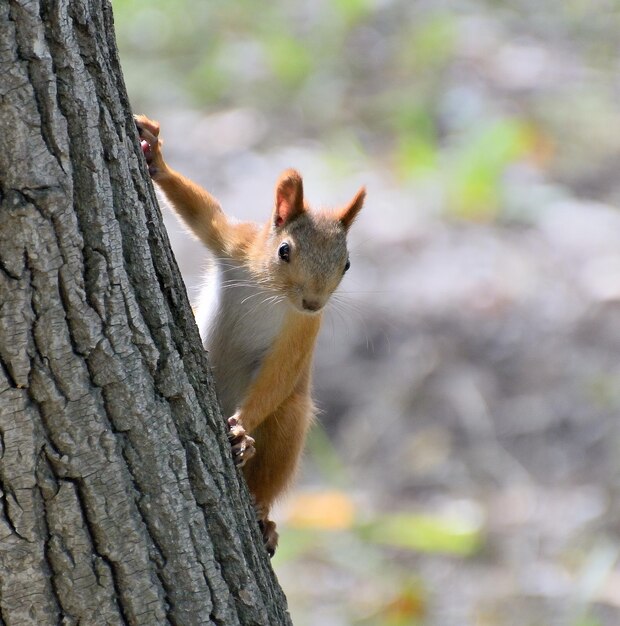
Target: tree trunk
[(119, 502)]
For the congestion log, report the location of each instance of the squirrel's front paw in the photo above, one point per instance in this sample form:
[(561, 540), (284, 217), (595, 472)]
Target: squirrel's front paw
[(242, 445), (150, 143)]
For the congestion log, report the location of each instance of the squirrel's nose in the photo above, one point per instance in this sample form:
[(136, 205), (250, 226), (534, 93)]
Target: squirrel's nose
[(311, 305)]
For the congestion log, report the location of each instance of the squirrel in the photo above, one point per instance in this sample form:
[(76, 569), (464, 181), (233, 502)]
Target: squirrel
[(259, 315)]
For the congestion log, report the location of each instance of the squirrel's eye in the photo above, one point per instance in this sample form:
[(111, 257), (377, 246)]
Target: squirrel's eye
[(347, 265), (284, 252)]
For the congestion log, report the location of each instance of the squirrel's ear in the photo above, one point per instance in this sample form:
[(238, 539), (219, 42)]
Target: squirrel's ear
[(349, 212), (289, 198)]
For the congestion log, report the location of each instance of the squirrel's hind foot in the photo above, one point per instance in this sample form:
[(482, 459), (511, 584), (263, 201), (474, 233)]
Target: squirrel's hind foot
[(267, 529), (270, 535)]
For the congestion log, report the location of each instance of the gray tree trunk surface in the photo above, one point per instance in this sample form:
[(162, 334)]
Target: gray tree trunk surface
[(119, 502)]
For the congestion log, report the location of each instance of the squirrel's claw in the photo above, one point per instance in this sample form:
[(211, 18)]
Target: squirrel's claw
[(270, 535), (241, 444), (148, 130), (267, 529)]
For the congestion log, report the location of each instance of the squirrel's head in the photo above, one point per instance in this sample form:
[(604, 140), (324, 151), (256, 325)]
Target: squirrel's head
[(307, 250)]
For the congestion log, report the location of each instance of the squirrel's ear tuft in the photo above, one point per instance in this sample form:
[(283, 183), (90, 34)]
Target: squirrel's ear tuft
[(348, 214), (289, 198)]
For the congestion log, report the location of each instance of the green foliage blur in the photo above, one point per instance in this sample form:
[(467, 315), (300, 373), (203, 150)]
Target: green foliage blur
[(449, 94)]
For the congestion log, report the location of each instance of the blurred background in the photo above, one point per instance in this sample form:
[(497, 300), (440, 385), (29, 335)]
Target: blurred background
[(466, 466)]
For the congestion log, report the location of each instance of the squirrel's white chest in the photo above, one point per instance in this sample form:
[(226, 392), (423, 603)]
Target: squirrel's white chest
[(238, 322)]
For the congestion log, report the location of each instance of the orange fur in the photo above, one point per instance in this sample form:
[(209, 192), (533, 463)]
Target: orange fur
[(272, 401), (278, 379)]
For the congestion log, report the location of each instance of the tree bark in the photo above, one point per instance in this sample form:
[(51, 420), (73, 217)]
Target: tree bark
[(119, 502)]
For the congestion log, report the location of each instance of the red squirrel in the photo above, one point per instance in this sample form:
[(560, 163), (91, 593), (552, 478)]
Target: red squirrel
[(259, 315)]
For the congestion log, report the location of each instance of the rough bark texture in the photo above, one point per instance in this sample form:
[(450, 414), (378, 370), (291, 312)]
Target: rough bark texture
[(119, 503)]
